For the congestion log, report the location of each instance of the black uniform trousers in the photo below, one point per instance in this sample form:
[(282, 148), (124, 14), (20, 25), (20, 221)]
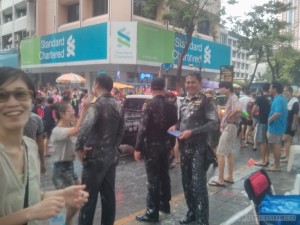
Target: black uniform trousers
[(157, 169), (194, 180), (99, 177)]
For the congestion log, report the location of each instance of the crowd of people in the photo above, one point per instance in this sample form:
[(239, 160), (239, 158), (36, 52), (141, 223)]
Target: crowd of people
[(90, 126)]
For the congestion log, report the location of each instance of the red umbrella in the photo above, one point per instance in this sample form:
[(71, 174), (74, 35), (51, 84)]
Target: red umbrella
[(70, 78)]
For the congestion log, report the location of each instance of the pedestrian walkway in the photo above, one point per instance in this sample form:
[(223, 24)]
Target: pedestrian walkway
[(224, 202)]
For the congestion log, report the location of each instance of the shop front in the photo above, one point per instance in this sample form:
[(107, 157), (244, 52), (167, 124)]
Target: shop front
[(130, 52)]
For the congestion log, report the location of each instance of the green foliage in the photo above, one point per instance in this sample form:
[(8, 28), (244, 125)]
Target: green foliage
[(185, 15), (150, 8), (264, 36)]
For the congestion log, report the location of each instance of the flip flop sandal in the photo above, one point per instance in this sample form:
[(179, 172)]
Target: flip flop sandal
[(229, 181), (272, 169), (216, 184)]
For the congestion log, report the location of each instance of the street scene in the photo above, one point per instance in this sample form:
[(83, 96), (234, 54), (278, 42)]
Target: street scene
[(223, 202)]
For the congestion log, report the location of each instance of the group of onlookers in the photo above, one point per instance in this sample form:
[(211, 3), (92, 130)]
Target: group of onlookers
[(99, 128), (271, 118)]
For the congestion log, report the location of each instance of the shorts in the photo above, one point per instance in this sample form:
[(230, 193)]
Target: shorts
[(227, 140), (63, 174), (289, 131), (274, 138), (261, 133), (48, 131)]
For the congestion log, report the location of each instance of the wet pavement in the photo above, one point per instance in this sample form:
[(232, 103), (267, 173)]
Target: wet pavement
[(223, 202)]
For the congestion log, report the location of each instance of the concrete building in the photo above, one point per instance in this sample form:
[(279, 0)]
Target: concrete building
[(17, 22), (239, 57), (293, 18), (84, 36)]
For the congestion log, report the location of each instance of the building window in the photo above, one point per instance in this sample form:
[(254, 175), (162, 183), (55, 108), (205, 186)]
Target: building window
[(73, 12), (203, 27), (238, 65), (234, 43), (100, 7), (243, 66), (238, 55), (247, 66), (139, 9), (223, 39), (21, 13), (7, 18), (234, 54), (229, 42)]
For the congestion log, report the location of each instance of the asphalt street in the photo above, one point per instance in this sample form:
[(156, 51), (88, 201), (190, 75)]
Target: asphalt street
[(223, 202)]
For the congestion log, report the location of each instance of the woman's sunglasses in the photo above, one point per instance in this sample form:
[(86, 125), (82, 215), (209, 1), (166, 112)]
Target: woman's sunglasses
[(20, 95)]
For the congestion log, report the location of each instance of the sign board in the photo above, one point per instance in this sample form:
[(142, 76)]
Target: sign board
[(201, 53), (67, 46), (123, 42), (167, 66), (154, 44), (226, 73)]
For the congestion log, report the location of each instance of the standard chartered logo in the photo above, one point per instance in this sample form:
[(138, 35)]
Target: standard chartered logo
[(207, 54), (123, 38), (71, 47)]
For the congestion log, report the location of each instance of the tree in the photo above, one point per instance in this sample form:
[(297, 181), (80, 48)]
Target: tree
[(263, 35), (289, 61), (185, 16)]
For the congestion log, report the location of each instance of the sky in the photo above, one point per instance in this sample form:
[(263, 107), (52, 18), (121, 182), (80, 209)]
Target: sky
[(242, 7)]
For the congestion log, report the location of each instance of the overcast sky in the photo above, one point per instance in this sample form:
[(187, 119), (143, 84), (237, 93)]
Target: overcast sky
[(242, 7)]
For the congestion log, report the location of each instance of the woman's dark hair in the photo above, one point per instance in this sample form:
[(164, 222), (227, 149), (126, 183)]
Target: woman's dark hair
[(10, 74), (59, 108)]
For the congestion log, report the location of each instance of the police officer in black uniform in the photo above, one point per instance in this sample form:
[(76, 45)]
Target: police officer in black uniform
[(97, 147), (197, 117), (157, 116)]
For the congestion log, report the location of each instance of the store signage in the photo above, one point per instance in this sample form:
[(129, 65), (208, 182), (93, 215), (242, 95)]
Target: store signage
[(123, 42), (201, 53)]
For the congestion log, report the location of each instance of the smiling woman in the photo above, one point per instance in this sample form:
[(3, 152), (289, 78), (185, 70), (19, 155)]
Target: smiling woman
[(21, 200)]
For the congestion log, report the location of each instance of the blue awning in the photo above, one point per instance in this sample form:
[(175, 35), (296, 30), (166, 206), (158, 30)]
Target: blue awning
[(9, 58)]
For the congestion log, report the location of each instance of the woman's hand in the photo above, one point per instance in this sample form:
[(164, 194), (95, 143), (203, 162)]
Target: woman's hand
[(47, 208), (75, 195)]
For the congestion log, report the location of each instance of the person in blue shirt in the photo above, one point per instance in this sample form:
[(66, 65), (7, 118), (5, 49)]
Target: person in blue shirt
[(277, 122)]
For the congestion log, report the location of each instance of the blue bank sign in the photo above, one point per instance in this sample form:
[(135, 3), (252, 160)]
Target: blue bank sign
[(202, 53), (86, 43)]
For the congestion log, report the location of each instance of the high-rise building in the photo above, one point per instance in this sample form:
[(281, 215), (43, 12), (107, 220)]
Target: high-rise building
[(17, 22), (239, 57), (293, 18)]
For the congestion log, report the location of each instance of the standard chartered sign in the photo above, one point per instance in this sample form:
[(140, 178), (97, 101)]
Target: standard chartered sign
[(75, 45), (194, 54), (202, 53)]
